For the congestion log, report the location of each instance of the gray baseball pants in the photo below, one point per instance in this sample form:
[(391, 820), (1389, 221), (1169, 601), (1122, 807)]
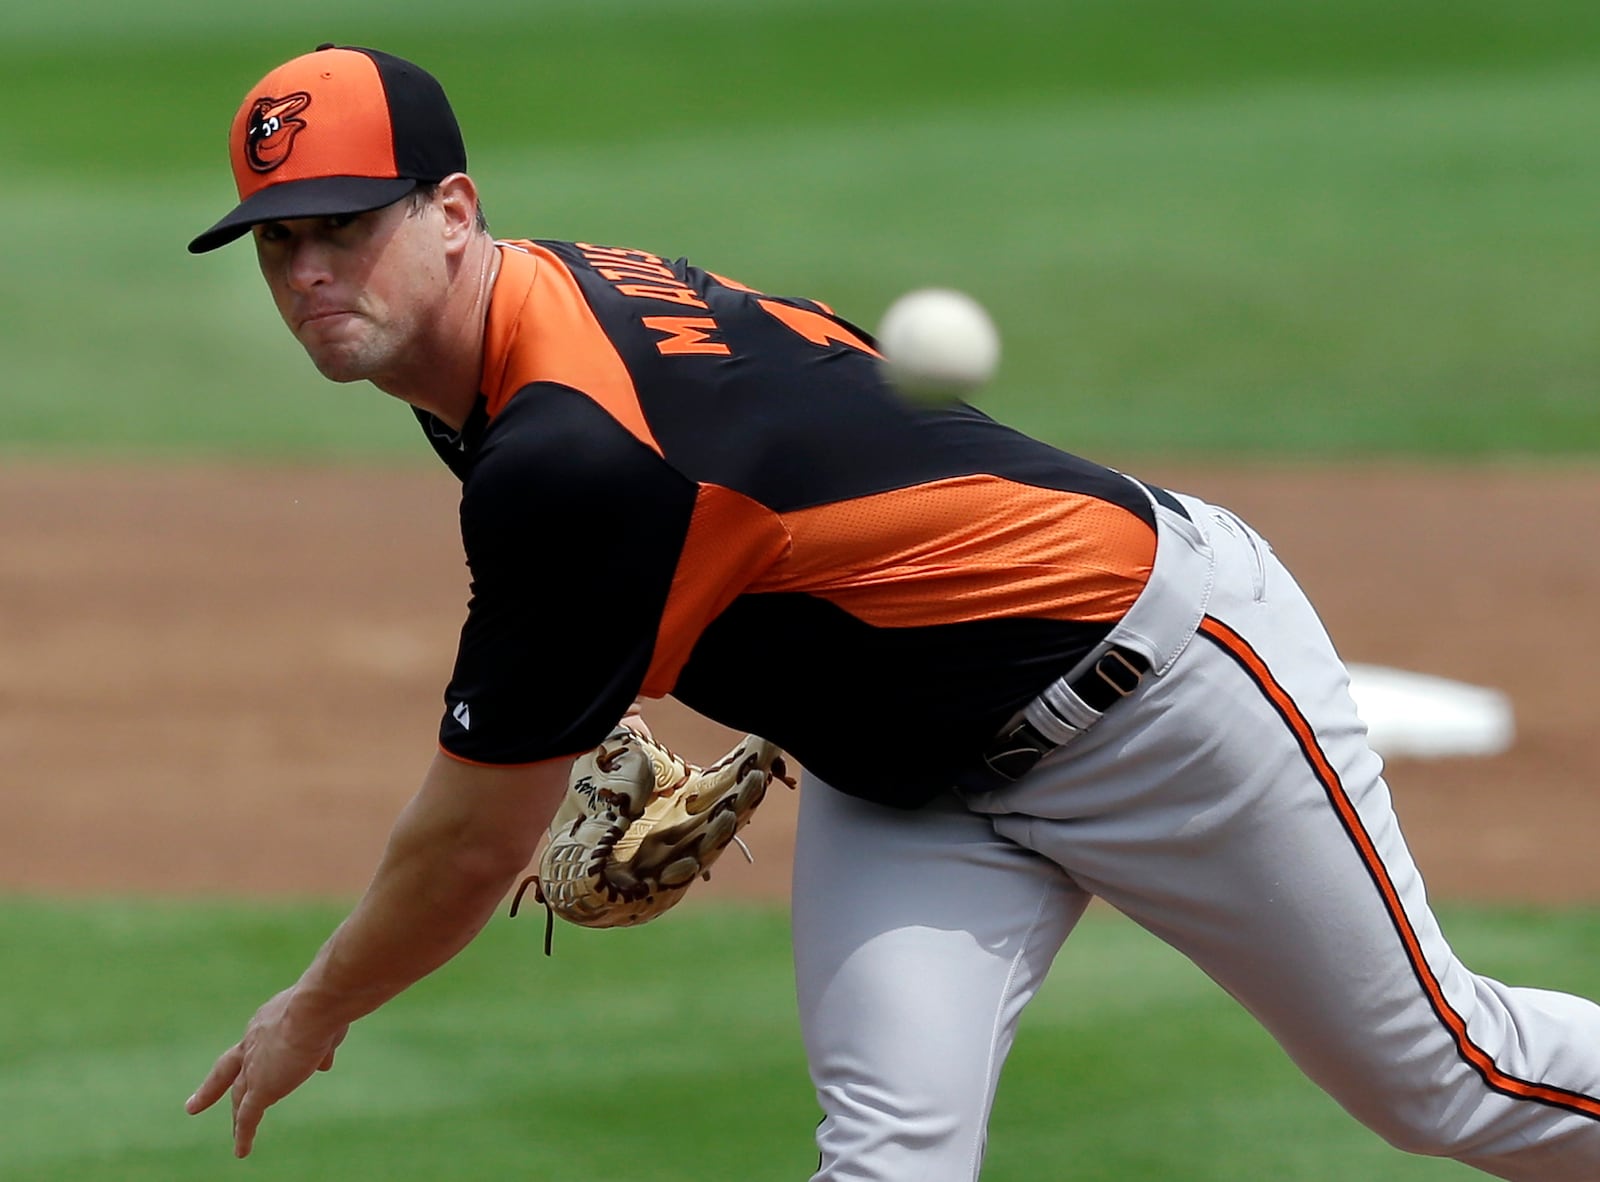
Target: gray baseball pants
[(1232, 806)]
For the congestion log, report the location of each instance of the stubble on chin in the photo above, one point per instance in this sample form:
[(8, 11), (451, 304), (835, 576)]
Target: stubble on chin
[(353, 359), (336, 365), (335, 371)]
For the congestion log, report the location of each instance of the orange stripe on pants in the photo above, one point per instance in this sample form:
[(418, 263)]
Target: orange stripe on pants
[(1236, 647)]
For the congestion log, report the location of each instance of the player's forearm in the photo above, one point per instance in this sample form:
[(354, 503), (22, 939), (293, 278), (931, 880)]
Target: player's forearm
[(451, 857), (422, 908)]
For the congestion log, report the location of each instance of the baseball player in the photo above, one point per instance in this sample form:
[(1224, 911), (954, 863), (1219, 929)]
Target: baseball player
[(1016, 680)]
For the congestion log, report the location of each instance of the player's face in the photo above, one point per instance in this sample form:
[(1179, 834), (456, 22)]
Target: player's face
[(359, 291)]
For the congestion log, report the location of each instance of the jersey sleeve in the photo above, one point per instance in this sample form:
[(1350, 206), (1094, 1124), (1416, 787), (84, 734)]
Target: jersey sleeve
[(572, 530)]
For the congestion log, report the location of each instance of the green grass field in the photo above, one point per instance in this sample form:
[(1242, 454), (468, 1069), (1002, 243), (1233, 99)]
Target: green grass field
[(1320, 230), (668, 1052)]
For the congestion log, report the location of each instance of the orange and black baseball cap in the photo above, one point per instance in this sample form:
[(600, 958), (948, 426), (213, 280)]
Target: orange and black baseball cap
[(341, 130)]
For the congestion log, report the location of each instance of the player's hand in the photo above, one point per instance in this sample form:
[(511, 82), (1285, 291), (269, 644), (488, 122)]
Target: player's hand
[(277, 1054), (634, 720)]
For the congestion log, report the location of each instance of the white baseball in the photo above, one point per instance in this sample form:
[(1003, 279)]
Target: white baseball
[(938, 345)]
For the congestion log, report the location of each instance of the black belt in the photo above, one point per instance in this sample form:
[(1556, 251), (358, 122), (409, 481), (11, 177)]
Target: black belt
[(1115, 675)]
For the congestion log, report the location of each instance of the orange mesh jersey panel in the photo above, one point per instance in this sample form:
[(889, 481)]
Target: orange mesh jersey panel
[(675, 484)]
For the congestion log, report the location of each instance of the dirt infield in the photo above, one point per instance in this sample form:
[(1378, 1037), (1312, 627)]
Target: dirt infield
[(227, 680)]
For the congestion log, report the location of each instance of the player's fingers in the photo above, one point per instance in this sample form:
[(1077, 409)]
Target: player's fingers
[(634, 721), (236, 1098), (246, 1117), (222, 1075)]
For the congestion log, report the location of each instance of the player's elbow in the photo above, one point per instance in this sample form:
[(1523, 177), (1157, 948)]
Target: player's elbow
[(479, 824), (491, 860), (470, 857)]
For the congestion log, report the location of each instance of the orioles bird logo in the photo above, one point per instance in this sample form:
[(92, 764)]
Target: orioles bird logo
[(269, 133)]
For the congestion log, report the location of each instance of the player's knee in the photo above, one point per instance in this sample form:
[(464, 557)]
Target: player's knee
[(926, 1116), (1431, 1121), (1416, 1138), (875, 1133)]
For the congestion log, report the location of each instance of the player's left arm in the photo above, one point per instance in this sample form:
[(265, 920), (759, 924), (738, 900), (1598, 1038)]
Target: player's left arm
[(454, 852)]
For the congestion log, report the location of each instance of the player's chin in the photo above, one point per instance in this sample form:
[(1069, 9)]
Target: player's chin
[(341, 363), (336, 371)]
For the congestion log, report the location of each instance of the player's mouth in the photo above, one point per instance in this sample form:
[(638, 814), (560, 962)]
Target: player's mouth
[(324, 318)]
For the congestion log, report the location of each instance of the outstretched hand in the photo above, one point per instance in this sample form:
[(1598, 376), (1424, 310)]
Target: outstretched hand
[(276, 1055), (454, 852)]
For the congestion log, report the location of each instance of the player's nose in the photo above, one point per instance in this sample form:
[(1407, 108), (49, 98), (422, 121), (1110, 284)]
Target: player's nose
[(307, 263)]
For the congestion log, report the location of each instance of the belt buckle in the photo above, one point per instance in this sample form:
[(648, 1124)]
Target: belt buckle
[(1014, 753)]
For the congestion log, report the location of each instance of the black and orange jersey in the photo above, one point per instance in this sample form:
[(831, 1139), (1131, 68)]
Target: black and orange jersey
[(673, 484)]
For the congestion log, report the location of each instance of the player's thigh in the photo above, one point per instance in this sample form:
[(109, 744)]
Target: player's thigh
[(1238, 812), (919, 936)]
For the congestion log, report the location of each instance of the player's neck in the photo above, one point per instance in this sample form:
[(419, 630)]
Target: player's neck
[(443, 373)]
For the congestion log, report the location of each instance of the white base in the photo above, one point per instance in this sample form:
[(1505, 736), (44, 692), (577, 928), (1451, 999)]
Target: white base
[(1416, 715)]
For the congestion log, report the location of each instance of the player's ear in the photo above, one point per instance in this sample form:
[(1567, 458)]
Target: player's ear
[(458, 202)]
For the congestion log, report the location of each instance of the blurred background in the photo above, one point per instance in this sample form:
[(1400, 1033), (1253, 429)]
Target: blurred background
[(1332, 263), (1339, 227)]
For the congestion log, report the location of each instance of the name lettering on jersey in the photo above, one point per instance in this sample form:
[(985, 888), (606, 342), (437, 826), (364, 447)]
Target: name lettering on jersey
[(641, 275), (686, 334), (638, 274), (815, 327)]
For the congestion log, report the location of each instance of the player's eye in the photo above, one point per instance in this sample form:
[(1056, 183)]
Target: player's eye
[(272, 232), (339, 221)]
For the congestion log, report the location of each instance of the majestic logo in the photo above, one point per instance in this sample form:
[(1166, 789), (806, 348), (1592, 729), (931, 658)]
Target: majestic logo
[(269, 134), (462, 715)]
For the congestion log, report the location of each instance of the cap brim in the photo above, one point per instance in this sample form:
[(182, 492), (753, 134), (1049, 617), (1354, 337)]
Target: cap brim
[(316, 197)]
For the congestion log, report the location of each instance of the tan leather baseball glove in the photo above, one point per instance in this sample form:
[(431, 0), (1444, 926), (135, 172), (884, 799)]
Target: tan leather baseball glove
[(639, 824)]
